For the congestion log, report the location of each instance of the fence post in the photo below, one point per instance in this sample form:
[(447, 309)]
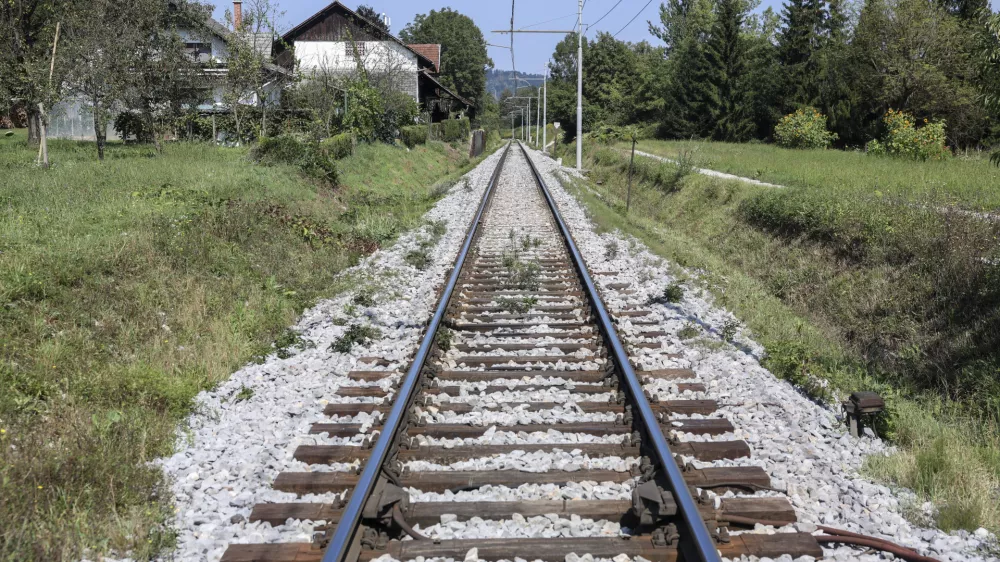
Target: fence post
[(631, 162)]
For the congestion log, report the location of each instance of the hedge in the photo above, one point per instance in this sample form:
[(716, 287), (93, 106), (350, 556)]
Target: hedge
[(338, 146), (413, 135)]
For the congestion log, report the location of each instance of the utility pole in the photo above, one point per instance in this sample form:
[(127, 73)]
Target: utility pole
[(538, 116), (579, 80), (545, 109), (579, 88), (529, 119)]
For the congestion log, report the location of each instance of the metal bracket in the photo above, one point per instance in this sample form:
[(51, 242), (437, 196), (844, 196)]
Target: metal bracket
[(651, 504), (383, 499), (666, 536)]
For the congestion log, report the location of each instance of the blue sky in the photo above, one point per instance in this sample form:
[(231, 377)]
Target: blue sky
[(531, 51)]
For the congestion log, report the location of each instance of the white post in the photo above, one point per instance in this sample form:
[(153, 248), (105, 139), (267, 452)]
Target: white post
[(538, 115), (579, 88), (545, 109), (529, 119)]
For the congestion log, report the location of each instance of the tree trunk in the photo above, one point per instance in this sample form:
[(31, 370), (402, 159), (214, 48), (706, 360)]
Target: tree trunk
[(34, 126), (151, 125), (100, 129)]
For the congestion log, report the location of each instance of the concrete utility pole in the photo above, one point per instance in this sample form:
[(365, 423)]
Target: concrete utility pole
[(529, 119), (538, 116), (579, 78), (545, 109), (579, 89)]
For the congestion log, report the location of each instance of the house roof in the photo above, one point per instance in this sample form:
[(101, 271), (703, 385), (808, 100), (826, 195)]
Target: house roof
[(447, 90), (290, 36), (431, 51)]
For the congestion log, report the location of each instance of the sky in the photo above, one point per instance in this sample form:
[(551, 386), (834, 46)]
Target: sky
[(531, 51)]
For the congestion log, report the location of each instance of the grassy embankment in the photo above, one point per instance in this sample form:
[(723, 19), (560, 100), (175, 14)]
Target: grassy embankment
[(852, 275), (128, 287)]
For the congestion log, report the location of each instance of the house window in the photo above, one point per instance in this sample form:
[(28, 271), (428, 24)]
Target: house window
[(355, 47), (201, 52)]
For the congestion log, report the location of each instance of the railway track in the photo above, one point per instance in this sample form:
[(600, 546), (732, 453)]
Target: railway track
[(522, 410)]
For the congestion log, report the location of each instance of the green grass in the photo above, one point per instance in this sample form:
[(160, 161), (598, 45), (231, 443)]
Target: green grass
[(127, 287), (970, 183), (859, 309)]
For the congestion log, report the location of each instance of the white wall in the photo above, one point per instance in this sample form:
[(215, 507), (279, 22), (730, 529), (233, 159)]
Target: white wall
[(380, 56)]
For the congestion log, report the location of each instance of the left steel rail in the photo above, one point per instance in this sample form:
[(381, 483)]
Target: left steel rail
[(349, 525)]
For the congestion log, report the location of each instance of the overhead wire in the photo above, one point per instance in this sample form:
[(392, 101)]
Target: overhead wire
[(606, 14), (633, 18)]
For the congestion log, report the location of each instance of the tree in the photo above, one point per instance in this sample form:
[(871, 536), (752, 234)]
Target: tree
[(913, 56), (166, 78), (694, 72), (27, 29), (372, 16), (729, 46), (464, 59), (106, 41)]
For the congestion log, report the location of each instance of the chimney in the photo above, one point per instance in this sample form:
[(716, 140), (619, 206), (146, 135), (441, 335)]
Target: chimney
[(237, 15)]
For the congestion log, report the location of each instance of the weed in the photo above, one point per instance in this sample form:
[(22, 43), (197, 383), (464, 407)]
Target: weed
[(365, 297), (671, 294), (438, 229), (689, 331), (611, 250), (728, 331), (516, 305), (289, 339), (340, 321), (356, 334), (243, 395), (443, 338), (419, 259), (523, 275), (467, 185)]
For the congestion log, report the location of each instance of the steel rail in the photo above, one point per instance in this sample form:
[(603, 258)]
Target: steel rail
[(343, 537), (702, 547)]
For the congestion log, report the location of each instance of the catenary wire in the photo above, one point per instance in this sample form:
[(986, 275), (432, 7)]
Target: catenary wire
[(633, 18)]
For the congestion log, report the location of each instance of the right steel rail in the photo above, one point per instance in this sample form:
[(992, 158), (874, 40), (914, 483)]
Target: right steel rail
[(700, 545)]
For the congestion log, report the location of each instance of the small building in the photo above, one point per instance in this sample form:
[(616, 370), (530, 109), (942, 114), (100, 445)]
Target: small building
[(209, 47), (337, 39)]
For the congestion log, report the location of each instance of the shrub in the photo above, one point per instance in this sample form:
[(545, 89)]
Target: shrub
[(288, 149), (455, 129), (903, 139), (671, 294), (131, 124), (338, 146), (365, 112), (806, 128), (413, 135)]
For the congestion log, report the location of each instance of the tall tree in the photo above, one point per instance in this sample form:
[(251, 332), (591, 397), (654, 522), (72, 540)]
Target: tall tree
[(729, 45), (464, 59), (691, 95)]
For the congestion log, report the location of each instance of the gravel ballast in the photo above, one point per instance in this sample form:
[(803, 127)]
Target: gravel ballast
[(805, 449), (232, 450)]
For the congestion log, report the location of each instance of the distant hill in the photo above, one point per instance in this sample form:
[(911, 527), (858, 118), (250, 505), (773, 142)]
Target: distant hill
[(499, 80)]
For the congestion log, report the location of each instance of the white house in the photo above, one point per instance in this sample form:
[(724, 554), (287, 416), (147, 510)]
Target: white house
[(336, 39)]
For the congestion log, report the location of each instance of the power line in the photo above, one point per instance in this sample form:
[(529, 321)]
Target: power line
[(606, 14), (633, 18), (548, 21)]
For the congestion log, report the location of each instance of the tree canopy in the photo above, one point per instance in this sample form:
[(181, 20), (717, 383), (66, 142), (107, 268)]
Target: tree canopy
[(464, 59)]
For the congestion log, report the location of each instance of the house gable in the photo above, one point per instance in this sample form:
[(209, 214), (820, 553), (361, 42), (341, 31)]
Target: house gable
[(336, 23)]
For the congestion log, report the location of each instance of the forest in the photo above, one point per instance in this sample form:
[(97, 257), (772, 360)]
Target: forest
[(727, 71)]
